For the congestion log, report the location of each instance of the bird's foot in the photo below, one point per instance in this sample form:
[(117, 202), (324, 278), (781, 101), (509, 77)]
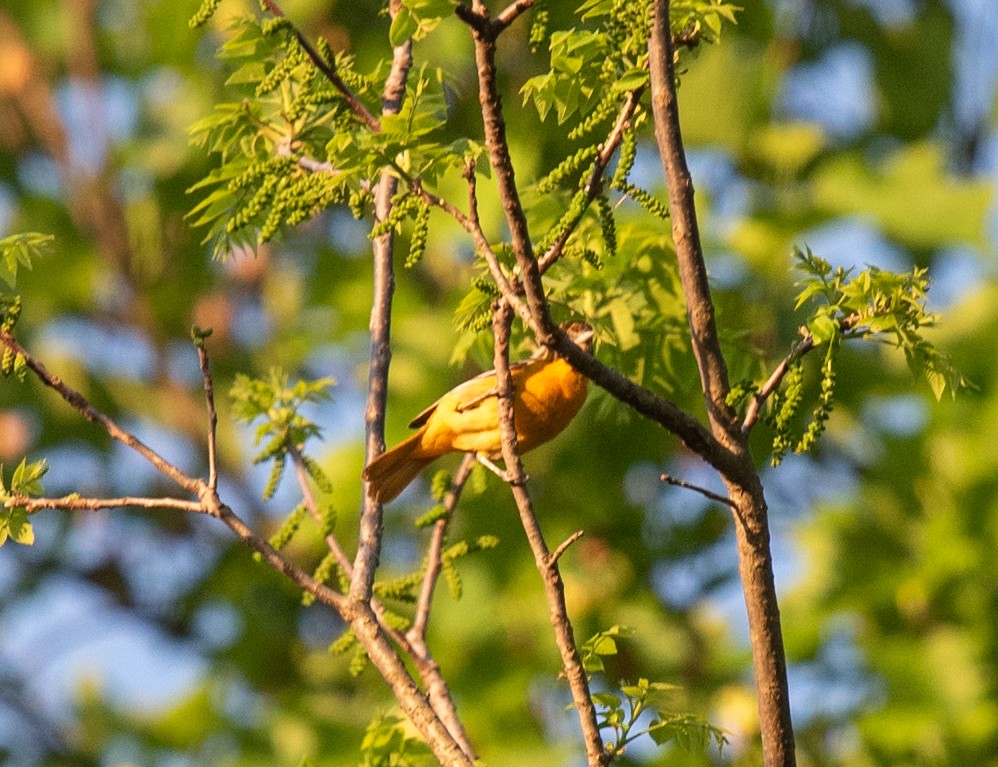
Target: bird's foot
[(503, 474)]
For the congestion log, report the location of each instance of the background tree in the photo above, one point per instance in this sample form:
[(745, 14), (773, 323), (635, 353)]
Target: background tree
[(272, 690)]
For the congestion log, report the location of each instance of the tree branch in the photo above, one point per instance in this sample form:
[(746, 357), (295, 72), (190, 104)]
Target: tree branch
[(755, 563), (563, 547), (697, 489), (802, 347), (369, 547), (594, 182), (436, 686), (209, 398), (358, 614), (76, 503), (511, 13), (81, 405), (437, 689), (502, 163), (685, 230), (547, 566), (658, 409), (417, 631)]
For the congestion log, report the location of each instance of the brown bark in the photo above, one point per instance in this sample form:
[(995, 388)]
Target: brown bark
[(755, 563)]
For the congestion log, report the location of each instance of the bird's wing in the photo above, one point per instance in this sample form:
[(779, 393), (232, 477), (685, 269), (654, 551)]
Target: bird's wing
[(474, 395), (423, 417)]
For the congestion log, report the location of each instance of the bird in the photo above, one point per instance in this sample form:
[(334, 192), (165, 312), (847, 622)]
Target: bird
[(547, 394)]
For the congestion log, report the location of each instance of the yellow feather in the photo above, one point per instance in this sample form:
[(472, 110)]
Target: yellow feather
[(548, 393)]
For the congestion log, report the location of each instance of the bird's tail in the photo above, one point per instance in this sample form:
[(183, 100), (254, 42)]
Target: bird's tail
[(392, 471)]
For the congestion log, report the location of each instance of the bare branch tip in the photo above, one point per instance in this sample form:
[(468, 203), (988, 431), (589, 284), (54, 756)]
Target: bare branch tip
[(696, 488), (556, 554)]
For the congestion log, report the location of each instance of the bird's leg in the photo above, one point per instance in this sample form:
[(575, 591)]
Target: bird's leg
[(488, 464)]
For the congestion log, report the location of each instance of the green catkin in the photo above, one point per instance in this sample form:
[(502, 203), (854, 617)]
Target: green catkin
[(401, 589), (453, 578), (359, 662), (607, 225), (567, 168), (318, 476), (785, 409), (345, 642), (653, 205), (576, 209), (11, 312), (420, 232), (275, 476), (484, 285), (327, 520), (431, 517), (288, 528), (274, 24), (740, 392), (539, 25), (826, 400), (204, 13), (591, 257), (600, 114), (322, 573), (400, 209), (441, 485), (359, 200), (625, 160)]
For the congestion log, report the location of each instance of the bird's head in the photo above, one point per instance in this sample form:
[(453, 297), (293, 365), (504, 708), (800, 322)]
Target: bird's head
[(581, 334)]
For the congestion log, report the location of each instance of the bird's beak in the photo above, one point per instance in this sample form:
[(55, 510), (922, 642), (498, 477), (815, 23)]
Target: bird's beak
[(584, 336)]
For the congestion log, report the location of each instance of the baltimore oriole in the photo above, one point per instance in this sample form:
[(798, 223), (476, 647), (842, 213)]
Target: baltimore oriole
[(547, 393)]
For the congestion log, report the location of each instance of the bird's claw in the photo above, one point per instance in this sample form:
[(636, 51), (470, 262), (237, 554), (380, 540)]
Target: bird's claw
[(503, 474)]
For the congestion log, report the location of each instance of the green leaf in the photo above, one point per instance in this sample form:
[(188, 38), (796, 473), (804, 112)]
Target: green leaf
[(14, 525), (606, 699), (823, 328), (632, 80), (404, 26), (26, 479), (21, 250), (623, 323)]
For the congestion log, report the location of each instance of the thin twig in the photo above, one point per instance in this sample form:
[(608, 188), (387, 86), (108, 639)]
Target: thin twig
[(471, 224), (696, 488), (510, 13), (208, 501), (502, 163), (556, 554), (438, 722), (437, 689), (88, 411), (76, 503), (436, 719), (212, 506), (209, 397), (693, 434), (332, 542), (438, 692), (433, 564)]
